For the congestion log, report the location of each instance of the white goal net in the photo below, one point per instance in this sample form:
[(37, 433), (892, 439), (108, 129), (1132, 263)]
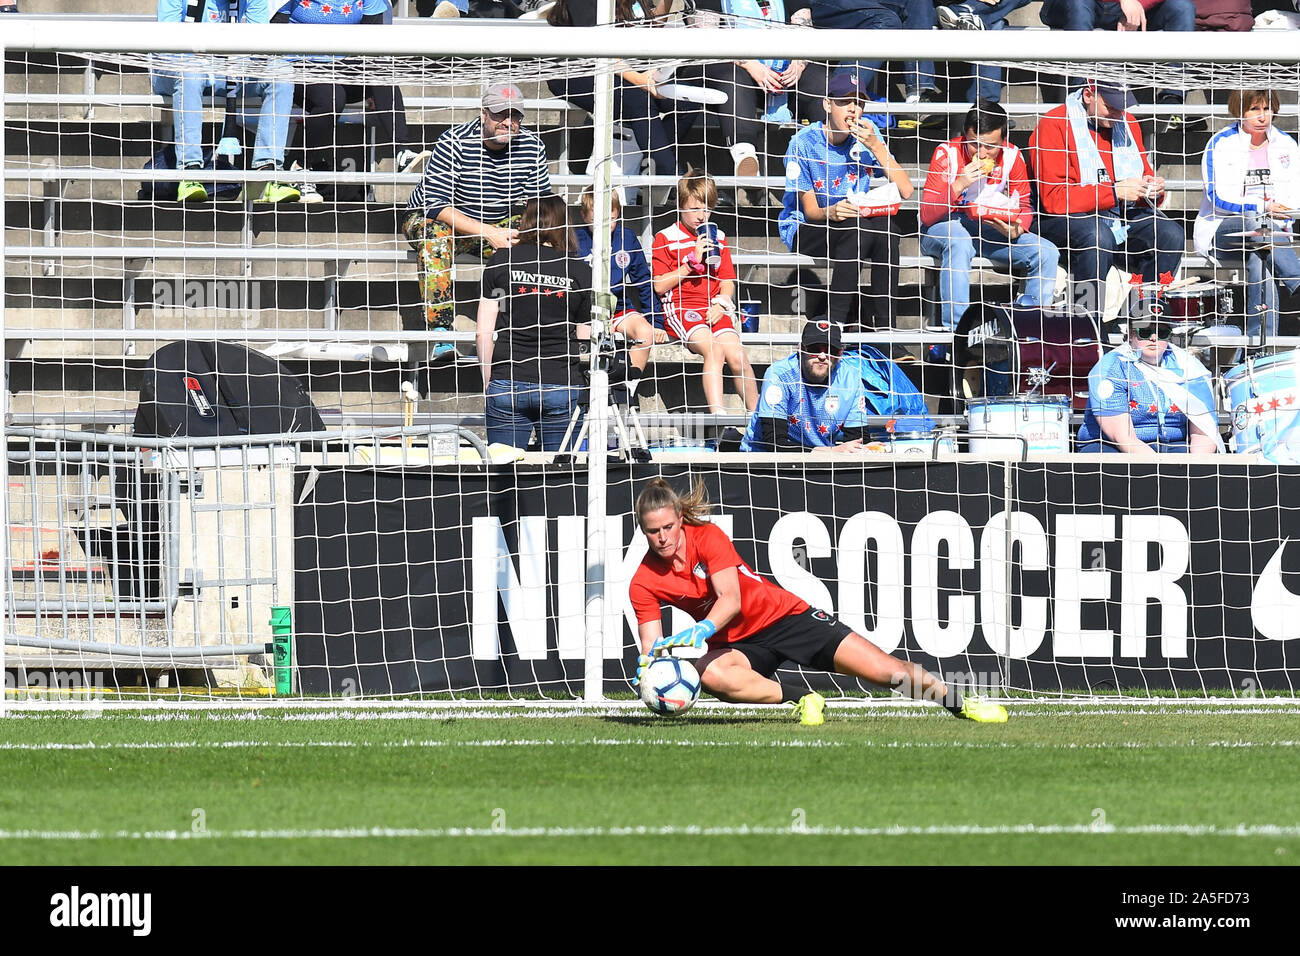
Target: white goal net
[(286, 417)]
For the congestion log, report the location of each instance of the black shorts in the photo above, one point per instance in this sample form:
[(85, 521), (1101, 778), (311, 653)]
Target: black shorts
[(809, 639)]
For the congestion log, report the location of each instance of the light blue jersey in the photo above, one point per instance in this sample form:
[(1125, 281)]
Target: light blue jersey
[(325, 11), (217, 11), (815, 415), (830, 171), (1116, 386)]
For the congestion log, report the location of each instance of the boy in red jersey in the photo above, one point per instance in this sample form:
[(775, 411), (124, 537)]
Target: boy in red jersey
[(751, 625), (699, 299)]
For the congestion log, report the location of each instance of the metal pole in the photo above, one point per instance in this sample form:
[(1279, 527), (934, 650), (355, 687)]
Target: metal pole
[(5, 574), (593, 672), (470, 39), (1008, 580)]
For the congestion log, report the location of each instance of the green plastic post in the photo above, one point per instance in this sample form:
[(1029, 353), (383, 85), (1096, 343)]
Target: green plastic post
[(282, 649)]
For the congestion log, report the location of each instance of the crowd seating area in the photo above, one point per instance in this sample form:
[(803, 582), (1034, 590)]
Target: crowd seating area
[(86, 260)]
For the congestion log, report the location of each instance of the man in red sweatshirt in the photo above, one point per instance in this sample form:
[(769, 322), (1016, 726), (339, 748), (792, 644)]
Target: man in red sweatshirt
[(976, 201), (1098, 194)]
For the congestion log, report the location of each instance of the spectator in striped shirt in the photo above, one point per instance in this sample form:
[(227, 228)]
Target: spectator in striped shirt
[(479, 174)]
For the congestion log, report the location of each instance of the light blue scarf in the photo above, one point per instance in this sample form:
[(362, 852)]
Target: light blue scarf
[(1125, 156), (1183, 382)]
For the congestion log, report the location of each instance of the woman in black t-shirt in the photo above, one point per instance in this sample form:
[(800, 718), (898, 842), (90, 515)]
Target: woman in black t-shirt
[(536, 304)]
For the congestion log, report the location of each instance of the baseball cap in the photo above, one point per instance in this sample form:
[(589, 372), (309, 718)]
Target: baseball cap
[(1116, 95), (503, 96), (821, 332), (842, 86)]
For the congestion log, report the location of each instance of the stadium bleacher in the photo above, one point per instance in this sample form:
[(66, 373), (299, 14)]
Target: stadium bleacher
[(99, 258)]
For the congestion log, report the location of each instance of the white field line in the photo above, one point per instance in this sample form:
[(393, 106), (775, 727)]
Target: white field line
[(575, 708), (376, 832), (524, 743), (443, 712)]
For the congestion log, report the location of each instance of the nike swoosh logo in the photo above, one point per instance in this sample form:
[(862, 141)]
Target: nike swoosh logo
[(1274, 610)]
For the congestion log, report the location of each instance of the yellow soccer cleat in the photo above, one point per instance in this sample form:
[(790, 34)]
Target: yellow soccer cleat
[(811, 709), (982, 711)]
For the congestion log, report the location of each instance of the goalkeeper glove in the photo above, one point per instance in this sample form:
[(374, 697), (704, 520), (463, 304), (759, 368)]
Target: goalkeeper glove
[(642, 662), (693, 636)]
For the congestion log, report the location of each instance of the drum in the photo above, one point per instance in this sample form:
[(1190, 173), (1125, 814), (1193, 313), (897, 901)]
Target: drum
[(1263, 395), (1196, 304), (1002, 351), (919, 444), (1042, 420), (682, 447)]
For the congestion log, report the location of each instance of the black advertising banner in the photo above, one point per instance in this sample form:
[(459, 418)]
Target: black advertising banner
[(1122, 576)]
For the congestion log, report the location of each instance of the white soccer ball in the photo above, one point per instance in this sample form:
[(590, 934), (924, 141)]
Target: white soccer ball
[(670, 685)]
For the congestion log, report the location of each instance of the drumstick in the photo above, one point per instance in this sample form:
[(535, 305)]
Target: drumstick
[(409, 397)]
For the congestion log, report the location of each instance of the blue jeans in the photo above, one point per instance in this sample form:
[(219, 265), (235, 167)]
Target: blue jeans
[(1154, 246), (514, 409), (1261, 264), (634, 108), (186, 92), (987, 81), (1171, 15), (882, 15), (957, 240)]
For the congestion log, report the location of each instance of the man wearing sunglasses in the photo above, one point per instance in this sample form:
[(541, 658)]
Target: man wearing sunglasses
[(819, 398), (1150, 397)]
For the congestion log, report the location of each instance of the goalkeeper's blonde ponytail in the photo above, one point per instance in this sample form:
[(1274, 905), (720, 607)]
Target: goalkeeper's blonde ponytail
[(693, 508)]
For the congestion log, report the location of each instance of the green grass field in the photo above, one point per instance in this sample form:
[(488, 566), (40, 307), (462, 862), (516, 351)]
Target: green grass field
[(1178, 784)]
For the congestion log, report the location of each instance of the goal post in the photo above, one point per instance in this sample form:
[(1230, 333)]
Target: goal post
[(423, 561)]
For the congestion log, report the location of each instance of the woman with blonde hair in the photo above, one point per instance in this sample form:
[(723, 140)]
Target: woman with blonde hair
[(1251, 171), (751, 626)]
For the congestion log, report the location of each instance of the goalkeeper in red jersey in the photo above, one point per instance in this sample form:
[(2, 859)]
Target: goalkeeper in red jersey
[(751, 625)]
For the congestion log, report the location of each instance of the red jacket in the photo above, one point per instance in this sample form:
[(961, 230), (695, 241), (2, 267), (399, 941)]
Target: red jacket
[(1056, 166), (939, 200), (1147, 5)]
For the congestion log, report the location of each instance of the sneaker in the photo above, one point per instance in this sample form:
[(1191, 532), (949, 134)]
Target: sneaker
[(982, 711), (307, 192), (934, 119), (279, 192), (958, 17), (408, 160), (442, 352), (811, 709), (746, 164), (189, 191)]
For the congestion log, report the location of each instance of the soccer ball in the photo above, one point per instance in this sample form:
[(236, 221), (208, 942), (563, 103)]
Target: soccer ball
[(670, 685)]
